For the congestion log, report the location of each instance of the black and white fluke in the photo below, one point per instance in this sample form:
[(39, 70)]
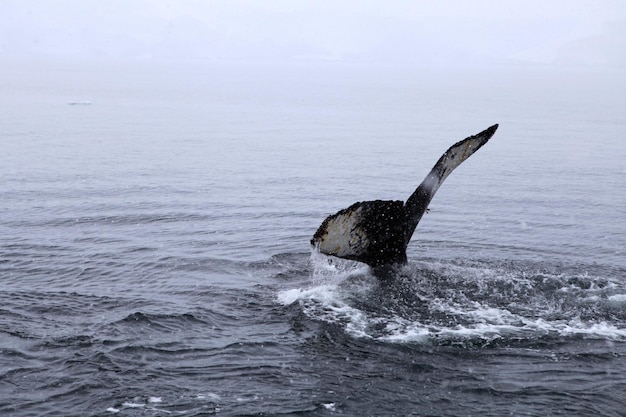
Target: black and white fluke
[(378, 232)]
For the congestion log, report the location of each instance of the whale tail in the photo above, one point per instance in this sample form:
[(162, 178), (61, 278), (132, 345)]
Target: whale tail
[(378, 232)]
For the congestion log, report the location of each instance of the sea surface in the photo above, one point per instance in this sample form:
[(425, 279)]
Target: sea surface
[(154, 241)]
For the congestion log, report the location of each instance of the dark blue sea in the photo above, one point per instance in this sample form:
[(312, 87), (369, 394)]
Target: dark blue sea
[(154, 241)]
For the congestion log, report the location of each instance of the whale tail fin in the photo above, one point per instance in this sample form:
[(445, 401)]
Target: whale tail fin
[(378, 232), (418, 202), (372, 232)]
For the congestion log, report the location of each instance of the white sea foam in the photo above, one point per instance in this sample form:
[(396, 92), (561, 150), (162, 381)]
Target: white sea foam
[(322, 293), (463, 297), (416, 332), (326, 303), (617, 298), (148, 404), (407, 332), (133, 405), (330, 406), (209, 396)]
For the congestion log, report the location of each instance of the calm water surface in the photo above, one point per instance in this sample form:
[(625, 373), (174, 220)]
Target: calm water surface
[(154, 230)]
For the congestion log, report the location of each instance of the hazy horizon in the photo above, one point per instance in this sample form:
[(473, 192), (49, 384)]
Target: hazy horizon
[(558, 34)]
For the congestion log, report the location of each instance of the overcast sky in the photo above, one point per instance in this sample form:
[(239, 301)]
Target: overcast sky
[(438, 33)]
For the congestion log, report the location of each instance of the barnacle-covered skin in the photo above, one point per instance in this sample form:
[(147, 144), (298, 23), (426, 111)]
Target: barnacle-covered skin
[(372, 232), (378, 232)]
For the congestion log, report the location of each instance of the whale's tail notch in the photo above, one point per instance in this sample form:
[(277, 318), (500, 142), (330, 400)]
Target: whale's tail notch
[(378, 232)]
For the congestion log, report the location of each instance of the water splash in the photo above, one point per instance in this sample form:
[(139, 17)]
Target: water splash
[(465, 303)]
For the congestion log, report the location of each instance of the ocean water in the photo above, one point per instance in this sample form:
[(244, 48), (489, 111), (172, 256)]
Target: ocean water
[(154, 241)]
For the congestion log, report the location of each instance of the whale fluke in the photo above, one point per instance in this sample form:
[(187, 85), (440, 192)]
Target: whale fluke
[(378, 232)]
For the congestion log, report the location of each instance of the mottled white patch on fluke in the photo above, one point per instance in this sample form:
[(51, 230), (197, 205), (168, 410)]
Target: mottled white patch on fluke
[(342, 234)]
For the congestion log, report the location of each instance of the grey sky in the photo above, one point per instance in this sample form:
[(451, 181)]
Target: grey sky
[(424, 33)]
